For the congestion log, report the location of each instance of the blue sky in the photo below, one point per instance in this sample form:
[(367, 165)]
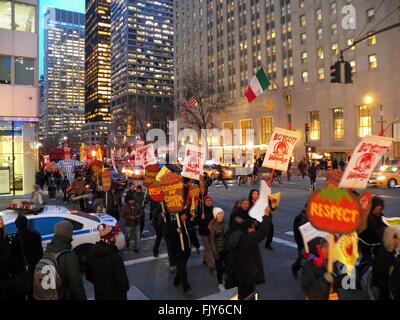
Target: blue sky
[(71, 5)]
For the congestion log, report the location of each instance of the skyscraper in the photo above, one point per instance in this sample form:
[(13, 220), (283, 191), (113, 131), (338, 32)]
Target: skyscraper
[(97, 71), (296, 41), (64, 78), (142, 81)]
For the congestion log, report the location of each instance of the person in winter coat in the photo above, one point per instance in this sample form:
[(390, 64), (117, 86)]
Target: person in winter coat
[(248, 266), (65, 184), (203, 218), (342, 164), (78, 189), (218, 230), (182, 256), (316, 281), (52, 186), (240, 215), (68, 262), (335, 165), (37, 196), (105, 267), (312, 173), (302, 166), (373, 234), (4, 253), (131, 192), (132, 213), (139, 197), (40, 178), (384, 262), (394, 280), (113, 204), (26, 245), (299, 220)]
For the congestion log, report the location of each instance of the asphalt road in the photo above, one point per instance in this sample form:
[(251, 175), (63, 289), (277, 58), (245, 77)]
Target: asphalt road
[(150, 277)]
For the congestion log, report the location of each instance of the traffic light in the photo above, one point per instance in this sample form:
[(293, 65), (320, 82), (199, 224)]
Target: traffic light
[(335, 73), (348, 74)]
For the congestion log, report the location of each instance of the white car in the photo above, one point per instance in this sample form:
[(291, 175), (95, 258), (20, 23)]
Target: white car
[(85, 233)]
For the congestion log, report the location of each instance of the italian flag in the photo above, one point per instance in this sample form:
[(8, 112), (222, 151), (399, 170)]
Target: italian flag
[(258, 84)]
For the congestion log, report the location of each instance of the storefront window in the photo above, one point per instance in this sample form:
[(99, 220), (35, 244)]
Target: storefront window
[(5, 16), (25, 17), (266, 130), (315, 127), (338, 124), (24, 71), (5, 69), (245, 125)]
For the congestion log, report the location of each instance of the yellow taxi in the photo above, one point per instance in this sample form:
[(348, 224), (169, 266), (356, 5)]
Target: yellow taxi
[(385, 176)]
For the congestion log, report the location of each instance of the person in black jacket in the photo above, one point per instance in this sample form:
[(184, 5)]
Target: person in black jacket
[(158, 221), (316, 281), (394, 280), (131, 192), (239, 215), (312, 173), (25, 245), (182, 256), (373, 234), (4, 252), (203, 218), (105, 267), (64, 187), (385, 261), (248, 266), (299, 220)]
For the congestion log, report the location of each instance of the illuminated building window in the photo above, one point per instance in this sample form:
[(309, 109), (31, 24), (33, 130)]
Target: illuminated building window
[(338, 124), (315, 126), (373, 61), (266, 130), (244, 126), (364, 121)]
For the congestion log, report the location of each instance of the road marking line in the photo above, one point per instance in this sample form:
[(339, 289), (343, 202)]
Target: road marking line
[(289, 233), (285, 242)]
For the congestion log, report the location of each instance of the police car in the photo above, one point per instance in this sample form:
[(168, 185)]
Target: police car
[(44, 219)]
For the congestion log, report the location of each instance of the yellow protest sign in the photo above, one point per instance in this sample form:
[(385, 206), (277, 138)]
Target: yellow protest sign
[(346, 250), (162, 173)]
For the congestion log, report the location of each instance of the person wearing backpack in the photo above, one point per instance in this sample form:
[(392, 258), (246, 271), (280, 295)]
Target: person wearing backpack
[(65, 262), (105, 267)]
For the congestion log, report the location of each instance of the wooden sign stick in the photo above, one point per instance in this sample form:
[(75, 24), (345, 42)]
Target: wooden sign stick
[(271, 178), (178, 221), (163, 212)]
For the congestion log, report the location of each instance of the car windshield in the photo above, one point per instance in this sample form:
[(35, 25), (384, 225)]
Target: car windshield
[(388, 169), (84, 215)]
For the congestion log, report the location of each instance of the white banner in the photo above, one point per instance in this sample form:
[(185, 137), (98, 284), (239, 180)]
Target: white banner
[(145, 156), (365, 158), (193, 162), (257, 211), (308, 232), (280, 149)]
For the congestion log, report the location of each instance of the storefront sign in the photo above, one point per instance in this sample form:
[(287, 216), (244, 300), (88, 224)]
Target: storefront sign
[(5, 181), (334, 211), (172, 187), (193, 162), (280, 149), (364, 160)]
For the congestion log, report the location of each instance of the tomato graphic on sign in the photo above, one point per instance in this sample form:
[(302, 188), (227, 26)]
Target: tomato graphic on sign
[(365, 162), (281, 148), (194, 162)]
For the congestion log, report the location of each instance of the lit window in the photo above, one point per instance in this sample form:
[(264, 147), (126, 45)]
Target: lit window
[(25, 17), (5, 70), (304, 57), (333, 8), (245, 125), (303, 38), (364, 121), (321, 74), (302, 20), (319, 34), (320, 53), (304, 76), (315, 126), (334, 29), (353, 66), (370, 15), (372, 41), (318, 14), (5, 16), (350, 42), (266, 130), (301, 3), (338, 124), (335, 49), (373, 61)]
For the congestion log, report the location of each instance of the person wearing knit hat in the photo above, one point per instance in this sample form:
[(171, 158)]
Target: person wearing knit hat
[(105, 267), (218, 230), (68, 262), (203, 218)]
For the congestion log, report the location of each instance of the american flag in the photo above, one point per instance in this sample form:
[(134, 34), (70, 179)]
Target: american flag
[(192, 102)]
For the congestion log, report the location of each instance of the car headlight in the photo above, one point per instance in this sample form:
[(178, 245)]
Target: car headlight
[(229, 172), (381, 178), (137, 172)]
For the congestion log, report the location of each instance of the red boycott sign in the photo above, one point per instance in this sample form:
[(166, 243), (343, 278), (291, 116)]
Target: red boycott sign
[(151, 174), (334, 211), (155, 192)]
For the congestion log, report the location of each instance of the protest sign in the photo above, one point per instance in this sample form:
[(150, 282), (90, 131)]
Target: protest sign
[(193, 162), (280, 149), (308, 232), (155, 192), (392, 222), (106, 180), (365, 158), (346, 250), (145, 156), (151, 174), (257, 211), (172, 188)]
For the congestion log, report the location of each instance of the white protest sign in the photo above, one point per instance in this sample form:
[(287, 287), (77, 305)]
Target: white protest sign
[(193, 162), (280, 149), (257, 211), (145, 156), (365, 158), (308, 233)]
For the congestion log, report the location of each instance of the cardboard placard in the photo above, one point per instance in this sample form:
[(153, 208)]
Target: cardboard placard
[(308, 232), (257, 211), (172, 188), (392, 222), (151, 174), (334, 211), (193, 162), (365, 158), (346, 250), (280, 149), (145, 156), (155, 192), (106, 180)]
